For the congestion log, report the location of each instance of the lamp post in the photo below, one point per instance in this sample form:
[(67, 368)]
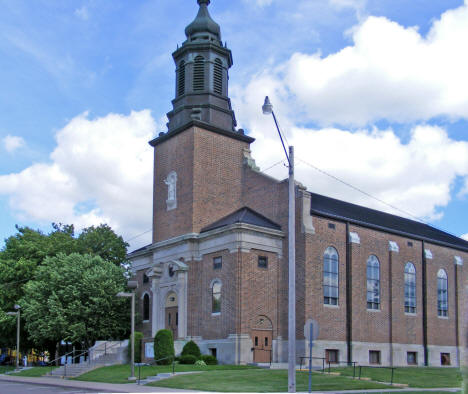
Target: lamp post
[(267, 110), (132, 285), (18, 323)]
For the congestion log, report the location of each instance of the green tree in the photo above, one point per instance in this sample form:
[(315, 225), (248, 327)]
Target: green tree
[(163, 347), (73, 298), (104, 242), (25, 251), (137, 344)]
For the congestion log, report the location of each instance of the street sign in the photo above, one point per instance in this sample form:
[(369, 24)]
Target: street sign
[(308, 330)]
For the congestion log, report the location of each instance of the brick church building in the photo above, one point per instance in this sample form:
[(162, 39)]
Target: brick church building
[(384, 289)]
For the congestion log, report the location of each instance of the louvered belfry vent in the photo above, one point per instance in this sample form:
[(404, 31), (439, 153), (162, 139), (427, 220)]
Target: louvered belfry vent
[(181, 79), (199, 74), (218, 77)]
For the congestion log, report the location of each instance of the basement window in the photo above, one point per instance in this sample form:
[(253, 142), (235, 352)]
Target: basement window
[(412, 358), (374, 356)]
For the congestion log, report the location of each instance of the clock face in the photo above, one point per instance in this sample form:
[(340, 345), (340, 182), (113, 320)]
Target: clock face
[(171, 271)]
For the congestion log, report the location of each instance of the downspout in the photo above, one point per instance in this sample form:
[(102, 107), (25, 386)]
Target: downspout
[(424, 299), (349, 304), (457, 331), (390, 305)]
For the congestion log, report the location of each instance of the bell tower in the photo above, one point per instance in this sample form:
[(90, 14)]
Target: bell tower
[(198, 162), (202, 65)]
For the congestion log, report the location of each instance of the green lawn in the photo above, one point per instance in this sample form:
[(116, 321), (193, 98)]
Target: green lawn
[(34, 372), (120, 373), (261, 380), (424, 377), (6, 368)]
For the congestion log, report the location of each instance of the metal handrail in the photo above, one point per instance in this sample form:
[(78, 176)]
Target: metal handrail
[(60, 357), (117, 344), (154, 362), (371, 366)]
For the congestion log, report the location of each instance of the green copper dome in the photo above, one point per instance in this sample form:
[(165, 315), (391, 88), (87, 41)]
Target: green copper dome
[(203, 22)]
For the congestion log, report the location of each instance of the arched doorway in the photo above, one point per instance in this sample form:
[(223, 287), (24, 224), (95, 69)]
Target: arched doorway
[(262, 338), (172, 314)]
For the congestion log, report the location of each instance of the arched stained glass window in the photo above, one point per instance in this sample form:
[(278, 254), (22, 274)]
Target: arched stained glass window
[(330, 276), (373, 283), (146, 307), (199, 74), (442, 293), (218, 77), (216, 297), (410, 288), (181, 79)]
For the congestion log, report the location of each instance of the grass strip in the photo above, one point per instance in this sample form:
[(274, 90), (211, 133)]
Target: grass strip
[(6, 368), (421, 377), (261, 380), (120, 373), (34, 372)]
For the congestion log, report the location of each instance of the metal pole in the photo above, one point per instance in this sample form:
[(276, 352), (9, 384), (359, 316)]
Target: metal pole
[(292, 278), (18, 337), (132, 377), (310, 357)]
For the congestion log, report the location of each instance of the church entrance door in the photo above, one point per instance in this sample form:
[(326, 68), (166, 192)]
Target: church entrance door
[(172, 314), (262, 345)]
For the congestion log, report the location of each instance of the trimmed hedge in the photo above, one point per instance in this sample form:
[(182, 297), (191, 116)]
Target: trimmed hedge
[(209, 359), (137, 344), (188, 359), (163, 347), (191, 348)]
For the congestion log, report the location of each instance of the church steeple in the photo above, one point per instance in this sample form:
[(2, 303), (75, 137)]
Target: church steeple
[(202, 64)]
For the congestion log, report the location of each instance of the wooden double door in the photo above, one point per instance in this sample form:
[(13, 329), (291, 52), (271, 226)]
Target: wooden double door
[(262, 345), (172, 320)]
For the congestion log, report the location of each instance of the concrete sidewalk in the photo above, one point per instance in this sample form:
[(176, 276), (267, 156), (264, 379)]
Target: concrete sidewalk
[(101, 387)]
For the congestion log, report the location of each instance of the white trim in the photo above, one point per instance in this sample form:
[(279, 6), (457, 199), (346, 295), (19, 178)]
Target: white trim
[(458, 260), (354, 238), (428, 254), (393, 246)]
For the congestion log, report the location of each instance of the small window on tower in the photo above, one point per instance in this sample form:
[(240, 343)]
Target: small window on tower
[(217, 263), (218, 77), (331, 225), (145, 278), (262, 262)]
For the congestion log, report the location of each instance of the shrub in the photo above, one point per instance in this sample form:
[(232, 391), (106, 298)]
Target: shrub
[(200, 363), (191, 348), (137, 344), (209, 359), (188, 359), (164, 347)]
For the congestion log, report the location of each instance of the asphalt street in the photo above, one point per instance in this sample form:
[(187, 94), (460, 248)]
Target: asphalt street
[(22, 388)]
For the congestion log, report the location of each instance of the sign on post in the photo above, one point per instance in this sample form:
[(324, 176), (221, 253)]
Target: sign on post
[(311, 331)]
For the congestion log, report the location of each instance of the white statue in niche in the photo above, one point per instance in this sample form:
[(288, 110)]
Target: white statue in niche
[(171, 182)]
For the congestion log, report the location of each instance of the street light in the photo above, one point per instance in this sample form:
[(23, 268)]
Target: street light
[(18, 323), (131, 285), (267, 110)]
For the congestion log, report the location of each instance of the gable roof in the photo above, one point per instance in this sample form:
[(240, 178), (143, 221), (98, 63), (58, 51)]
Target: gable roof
[(367, 217), (243, 215)]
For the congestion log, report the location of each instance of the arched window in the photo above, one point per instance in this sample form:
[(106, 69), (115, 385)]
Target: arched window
[(442, 293), (216, 297), (330, 276), (199, 74), (218, 77), (373, 283), (181, 79), (410, 288), (146, 307)]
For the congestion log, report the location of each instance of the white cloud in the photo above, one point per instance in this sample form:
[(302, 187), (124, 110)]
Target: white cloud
[(465, 237), (416, 176), (12, 143), (100, 171), (390, 72), (82, 13)]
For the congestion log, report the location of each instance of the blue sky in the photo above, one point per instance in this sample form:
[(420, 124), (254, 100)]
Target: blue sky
[(373, 92)]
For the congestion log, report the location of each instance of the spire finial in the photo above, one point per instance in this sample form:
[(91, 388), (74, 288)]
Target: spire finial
[(207, 2)]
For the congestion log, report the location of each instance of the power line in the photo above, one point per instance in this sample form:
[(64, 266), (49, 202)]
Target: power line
[(361, 191)]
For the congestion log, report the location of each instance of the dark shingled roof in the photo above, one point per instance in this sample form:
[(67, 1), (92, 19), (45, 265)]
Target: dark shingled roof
[(243, 215), (366, 217)]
